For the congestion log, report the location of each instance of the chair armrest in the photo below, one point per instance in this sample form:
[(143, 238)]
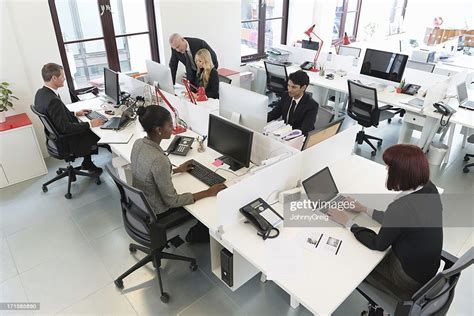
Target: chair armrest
[(385, 107), (448, 259)]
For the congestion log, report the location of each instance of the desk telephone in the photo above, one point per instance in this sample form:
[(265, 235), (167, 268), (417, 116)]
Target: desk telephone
[(307, 65), (443, 108), (180, 145), (411, 89), (252, 212)]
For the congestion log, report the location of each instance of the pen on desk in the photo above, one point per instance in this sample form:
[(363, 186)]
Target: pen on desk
[(204, 138)]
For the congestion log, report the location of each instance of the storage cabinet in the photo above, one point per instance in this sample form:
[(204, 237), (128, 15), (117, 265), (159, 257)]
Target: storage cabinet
[(20, 154)]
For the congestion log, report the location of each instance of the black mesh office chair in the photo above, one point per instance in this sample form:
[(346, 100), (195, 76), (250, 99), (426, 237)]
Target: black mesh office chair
[(148, 230), (363, 107), (225, 79), (470, 139), (433, 298), (277, 78), (58, 147)]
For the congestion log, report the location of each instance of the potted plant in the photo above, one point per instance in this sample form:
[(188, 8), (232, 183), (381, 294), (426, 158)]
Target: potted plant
[(6, 98)]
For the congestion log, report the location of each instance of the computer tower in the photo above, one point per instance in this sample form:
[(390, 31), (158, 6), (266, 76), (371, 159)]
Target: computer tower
[(227, 267)]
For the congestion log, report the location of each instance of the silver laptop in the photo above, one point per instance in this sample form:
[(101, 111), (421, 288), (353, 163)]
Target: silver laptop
[(463, 97), (321, 188)]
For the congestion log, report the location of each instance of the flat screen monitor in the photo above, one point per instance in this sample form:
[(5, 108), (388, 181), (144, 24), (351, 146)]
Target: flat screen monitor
[(310, 44), (112, 88), (231, 140), (384, 65), (160, 75), (242, 106)]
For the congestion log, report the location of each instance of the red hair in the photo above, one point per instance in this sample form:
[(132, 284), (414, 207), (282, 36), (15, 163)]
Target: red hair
[(407, 167)]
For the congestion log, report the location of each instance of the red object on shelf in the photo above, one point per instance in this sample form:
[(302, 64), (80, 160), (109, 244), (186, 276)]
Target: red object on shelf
[(15, 121), (226, 72), (346, 40)]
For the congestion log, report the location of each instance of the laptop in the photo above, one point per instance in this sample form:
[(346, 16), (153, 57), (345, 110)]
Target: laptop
[(463, 97), (117, 123), (321, 188)]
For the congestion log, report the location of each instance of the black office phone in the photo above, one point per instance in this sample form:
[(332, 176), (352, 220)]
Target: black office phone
[(180, 145), (307, 65), (252, 212), (410, 89)]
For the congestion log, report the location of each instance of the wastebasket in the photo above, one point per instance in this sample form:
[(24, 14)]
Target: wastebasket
[(436, 153)]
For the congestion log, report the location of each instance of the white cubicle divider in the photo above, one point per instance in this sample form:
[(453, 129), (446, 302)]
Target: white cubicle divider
[(265, 147), (335, 148)]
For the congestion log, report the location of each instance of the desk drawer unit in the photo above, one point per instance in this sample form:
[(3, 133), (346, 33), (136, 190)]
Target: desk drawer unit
[(414, 118)]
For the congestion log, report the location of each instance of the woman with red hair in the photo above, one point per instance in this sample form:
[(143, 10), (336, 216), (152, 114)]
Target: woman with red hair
[(411, 225)]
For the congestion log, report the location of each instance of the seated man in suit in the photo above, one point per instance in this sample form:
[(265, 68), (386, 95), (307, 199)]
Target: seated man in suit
[(184, 49), (48, 102), (296, 107)]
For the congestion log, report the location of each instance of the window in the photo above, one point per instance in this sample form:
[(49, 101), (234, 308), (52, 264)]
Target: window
[(397, 15), (264, 24), (93, 34), (346, 20)]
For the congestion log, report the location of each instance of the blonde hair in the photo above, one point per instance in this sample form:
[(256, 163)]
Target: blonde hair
[(205, 55)]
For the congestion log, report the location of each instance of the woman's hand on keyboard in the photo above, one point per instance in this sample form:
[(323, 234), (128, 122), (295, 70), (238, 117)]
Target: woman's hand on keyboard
[(187, 166), (96, 122)]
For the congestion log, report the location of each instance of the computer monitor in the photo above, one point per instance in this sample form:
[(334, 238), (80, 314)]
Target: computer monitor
[(242, 106), (315, 137), (112, 87), (160, 75), (310, 44), (383, 65), (231, 140)]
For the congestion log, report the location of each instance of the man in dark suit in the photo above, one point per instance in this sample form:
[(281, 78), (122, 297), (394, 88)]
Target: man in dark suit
[(296, 107), (183, 49), (48, 102)]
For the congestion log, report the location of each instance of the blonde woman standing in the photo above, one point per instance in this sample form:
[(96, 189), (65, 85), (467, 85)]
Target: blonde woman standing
[(206, 75)]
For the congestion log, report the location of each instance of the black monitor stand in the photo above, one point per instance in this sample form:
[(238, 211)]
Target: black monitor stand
[(233, 165)]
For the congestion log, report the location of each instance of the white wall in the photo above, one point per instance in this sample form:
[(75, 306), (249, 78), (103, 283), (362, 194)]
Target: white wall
[(215, 21)]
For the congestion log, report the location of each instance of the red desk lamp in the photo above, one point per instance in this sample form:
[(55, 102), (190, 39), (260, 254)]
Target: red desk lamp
[(178, 129), (201, 92), (308, 33)]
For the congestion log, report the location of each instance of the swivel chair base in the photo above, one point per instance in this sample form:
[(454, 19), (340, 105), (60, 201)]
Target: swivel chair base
[(363, 137), (154, 257), (466, 167), (70, 172)]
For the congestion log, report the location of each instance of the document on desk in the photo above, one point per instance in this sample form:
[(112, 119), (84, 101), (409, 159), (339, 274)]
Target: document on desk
[(322, 243), (116, 138)]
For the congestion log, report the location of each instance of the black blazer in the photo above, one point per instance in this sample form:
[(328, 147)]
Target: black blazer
[(304, 116), (48, 103), (212, 89), (195, 44), (413, 226)]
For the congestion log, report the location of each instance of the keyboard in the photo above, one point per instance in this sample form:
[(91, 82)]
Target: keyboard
[(205, 174), (96, 115)]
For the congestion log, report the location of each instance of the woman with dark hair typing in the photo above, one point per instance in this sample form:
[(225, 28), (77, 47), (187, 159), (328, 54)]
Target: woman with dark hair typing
[(411, 225), (152, 169)]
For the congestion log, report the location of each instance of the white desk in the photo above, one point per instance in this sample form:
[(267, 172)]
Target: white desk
[(302, 273)]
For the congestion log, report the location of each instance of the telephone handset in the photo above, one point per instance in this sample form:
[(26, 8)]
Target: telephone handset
[(180, 145), (443, 108), (307, 65), (252, 212), (411, 89)]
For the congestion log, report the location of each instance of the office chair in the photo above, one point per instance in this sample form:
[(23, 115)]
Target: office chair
[(420, 66), (148, 230), (225, 79), (363, 107), (323, 118), (319, 135), (433, 298), (470, 139), (57, 146), (277, 78)]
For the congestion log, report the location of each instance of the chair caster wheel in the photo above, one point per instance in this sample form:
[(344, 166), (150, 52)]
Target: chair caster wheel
[(373, 153), (68, 196), (389, 121), (45, 189), (466, 158), (165, 297), (119, 284), (193, 267), (132, 249), (379, 143), (465, 169), (58, 172), (98, 182)]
